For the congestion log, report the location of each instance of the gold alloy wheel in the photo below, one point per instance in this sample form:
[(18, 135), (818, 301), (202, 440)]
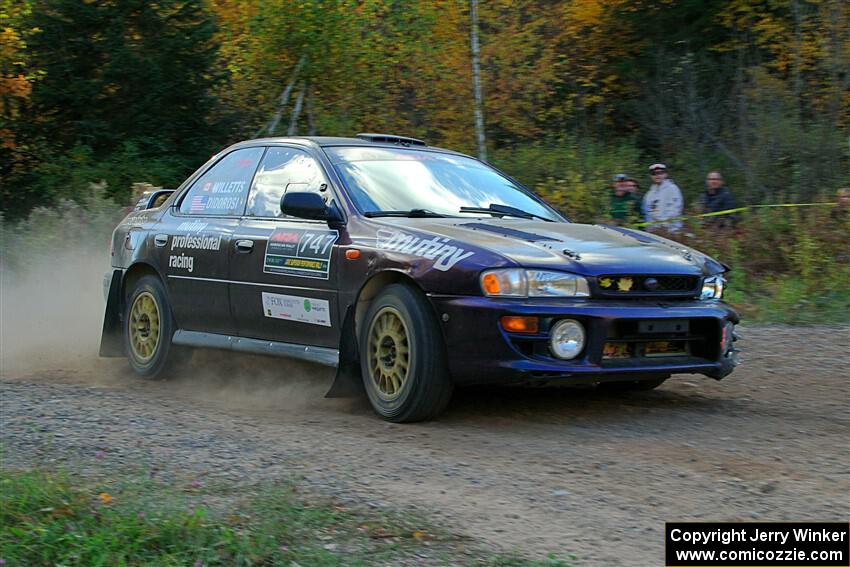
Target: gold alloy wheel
[(389, 353), (144, 326)]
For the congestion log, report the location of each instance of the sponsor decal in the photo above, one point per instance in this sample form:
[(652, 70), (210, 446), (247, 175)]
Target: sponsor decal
[(439, 249), (196, 241), (294, 308), (192, 226), (284, 237), (182, 262), (137, 217), (300, 252)]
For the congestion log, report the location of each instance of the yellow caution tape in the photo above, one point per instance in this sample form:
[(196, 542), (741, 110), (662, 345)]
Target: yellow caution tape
[(733, 211)]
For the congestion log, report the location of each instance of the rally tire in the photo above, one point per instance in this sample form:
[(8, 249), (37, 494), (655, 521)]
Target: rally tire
[(148, 328), (634, 385), (403, 357)]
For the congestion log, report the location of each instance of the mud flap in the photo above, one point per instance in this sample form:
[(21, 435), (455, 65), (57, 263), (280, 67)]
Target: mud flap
[(111, 338), (347, 382)]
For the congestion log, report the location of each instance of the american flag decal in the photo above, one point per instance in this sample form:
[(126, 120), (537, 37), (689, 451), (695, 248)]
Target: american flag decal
[(198, 204)]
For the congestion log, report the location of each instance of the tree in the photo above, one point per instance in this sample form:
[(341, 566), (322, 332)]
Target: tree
[(16, 80), (125, 71), (476, 84)]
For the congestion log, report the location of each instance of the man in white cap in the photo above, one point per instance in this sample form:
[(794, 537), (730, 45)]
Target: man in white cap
[(663, 201)]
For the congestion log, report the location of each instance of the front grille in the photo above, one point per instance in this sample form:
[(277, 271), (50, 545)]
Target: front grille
[(624, 285)]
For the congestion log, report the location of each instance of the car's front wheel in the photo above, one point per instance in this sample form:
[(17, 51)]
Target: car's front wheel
[(403, 358), (148, 328)]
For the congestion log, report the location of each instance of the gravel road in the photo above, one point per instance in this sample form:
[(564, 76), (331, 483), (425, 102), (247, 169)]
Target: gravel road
[(536, 471)]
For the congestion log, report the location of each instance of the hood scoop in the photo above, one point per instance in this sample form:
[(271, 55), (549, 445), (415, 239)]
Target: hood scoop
[(504, 231), (647, 239)]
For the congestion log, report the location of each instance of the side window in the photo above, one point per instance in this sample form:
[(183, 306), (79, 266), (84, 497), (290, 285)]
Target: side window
[(222, 190), (282, 170)]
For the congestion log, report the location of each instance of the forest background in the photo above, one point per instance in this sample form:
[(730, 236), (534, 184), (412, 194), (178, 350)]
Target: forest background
[(98, 95)]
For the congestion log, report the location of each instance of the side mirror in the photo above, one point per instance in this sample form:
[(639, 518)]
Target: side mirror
[(308, 205)]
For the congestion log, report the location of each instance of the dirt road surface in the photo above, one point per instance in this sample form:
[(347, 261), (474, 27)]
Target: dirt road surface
[(536, 471)]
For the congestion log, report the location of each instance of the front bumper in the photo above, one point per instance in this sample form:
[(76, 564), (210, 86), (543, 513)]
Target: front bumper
[(480, 351)]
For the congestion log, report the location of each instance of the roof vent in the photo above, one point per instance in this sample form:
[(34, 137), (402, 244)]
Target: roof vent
[(390, 139)]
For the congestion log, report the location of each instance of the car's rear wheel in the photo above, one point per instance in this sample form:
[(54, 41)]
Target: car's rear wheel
[(643, 385), (148, 328), (403, 358)]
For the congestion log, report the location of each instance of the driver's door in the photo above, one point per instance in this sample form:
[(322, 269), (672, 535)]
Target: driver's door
[(283, 270)]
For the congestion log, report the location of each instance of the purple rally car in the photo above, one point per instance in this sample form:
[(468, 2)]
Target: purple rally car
[(411, 269)]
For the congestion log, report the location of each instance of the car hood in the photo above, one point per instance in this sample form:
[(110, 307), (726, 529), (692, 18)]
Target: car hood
[(579, 248)]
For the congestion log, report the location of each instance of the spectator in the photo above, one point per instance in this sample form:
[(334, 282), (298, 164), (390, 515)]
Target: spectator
[(841, 211), (633, 187), (663, 201), (717, 197), (624, 205)]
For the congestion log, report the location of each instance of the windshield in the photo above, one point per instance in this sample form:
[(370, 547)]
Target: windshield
[(386, 179)]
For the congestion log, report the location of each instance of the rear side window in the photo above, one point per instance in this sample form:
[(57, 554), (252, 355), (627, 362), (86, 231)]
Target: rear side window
[(282, 170), (223, 189)]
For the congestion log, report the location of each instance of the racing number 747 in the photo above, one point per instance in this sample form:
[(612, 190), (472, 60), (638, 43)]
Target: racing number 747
[(318, 243)]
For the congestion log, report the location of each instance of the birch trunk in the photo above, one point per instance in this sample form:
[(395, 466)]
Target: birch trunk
[(476, 85), (284, 100), (296, 112), (311, 117)]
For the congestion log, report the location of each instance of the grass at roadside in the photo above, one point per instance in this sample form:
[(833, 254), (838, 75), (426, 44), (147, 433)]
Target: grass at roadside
[(51, 518), (789, 301)]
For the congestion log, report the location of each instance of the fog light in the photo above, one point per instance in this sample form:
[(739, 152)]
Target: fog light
[(567, 339)]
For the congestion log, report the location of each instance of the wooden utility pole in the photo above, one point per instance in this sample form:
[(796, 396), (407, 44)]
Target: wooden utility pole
[(476, 85)]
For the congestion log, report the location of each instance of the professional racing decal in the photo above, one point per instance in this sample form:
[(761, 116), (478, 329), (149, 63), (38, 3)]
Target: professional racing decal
[(300, 252), (294, 308), (182, 262), (439, 248), (196, 241)]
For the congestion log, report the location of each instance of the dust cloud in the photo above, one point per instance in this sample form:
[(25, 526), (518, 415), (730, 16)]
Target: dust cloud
[(51, 315), (51, 312)]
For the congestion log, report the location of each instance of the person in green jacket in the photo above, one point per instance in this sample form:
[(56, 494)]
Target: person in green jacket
[(624, 205)]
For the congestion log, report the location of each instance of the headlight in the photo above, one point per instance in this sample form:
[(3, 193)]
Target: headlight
[(518, 282), (566, 339), (505, 283), (712, 287)]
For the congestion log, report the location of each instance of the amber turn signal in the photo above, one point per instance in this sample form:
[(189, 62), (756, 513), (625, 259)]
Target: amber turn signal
[(518, 324), (352, 253), (491, 284)]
